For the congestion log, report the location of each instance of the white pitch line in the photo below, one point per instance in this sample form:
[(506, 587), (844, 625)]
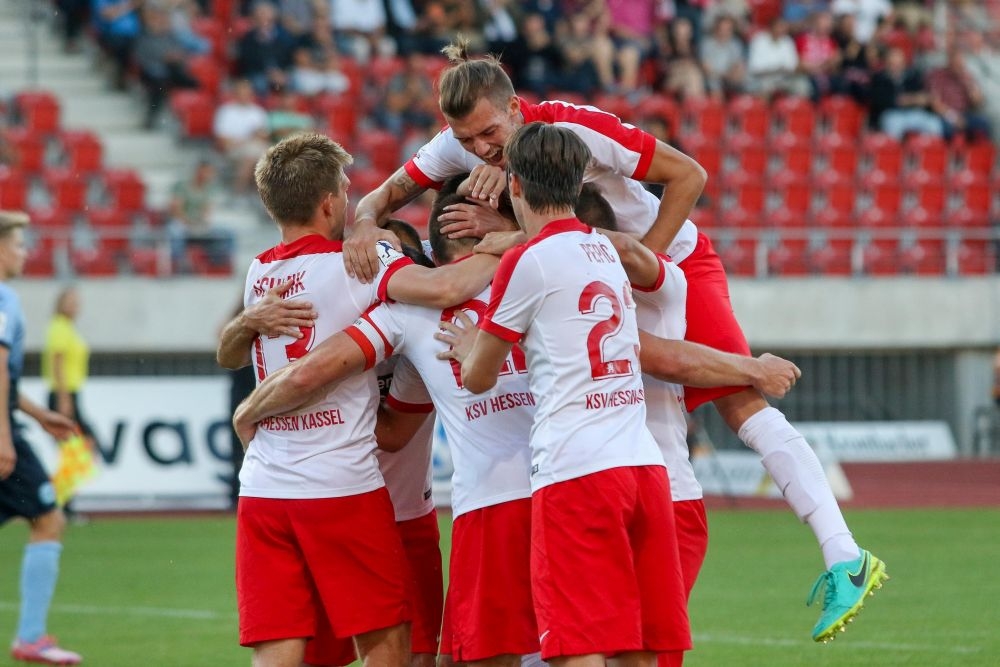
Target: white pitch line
[(885, 646), (160, 612)]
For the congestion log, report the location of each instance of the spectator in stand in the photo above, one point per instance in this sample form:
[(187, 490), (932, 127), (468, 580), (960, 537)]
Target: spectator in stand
[(116, 23), (900, 101), (359, 28), (73, 16), (866, 13), (723, 58), (288, 118), (536, 60), (310, 78), (466, 18), (957, 98), (819, 56), (189, 226), (161, 57), (182, 14), (297, 16), (798, 13), (265, 52), (694, 11), (738, 10), (578, 55), (773, 63), (500, 25), (996, 378), (632, 26), (240, 128), (683, 75), (983, 63), (409, 98), (433, 31), (857, 61)]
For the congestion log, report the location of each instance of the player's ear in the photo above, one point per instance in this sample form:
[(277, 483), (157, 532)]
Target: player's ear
[(513, 105), (514, 184)]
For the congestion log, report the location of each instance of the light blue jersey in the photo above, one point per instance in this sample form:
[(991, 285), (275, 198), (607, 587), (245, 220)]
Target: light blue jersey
[(12, 337)]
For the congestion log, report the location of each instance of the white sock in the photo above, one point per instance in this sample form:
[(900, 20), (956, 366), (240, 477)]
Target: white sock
[(796, 469)]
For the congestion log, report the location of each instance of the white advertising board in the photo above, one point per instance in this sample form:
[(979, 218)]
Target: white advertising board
[(868, 442)]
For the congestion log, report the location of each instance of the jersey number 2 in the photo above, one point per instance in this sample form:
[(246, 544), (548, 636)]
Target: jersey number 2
[(601, 368)]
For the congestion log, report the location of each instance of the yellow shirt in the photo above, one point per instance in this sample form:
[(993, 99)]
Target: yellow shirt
[(63, 338)]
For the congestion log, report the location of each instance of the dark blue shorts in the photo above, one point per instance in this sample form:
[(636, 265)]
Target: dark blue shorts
[(28, 492)]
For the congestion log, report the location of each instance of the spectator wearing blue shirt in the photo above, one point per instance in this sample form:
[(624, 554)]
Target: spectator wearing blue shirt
[(117, 25)]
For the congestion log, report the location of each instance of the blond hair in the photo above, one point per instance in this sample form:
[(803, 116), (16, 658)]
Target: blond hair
[(11, 220), (296, 174), (467, 80)]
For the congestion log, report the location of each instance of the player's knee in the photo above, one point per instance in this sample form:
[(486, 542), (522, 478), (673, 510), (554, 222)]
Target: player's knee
[(386, 647), (48, 527)]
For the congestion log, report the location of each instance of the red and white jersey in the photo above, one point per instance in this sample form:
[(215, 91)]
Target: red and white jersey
[(621, 155), (487, 433), (402, 389), (660, 310), (327, 449), (579, 333)]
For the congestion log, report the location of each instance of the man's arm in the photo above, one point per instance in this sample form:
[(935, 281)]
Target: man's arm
[(696, 365), (443, 286), (683, 180), (395, 428), (58, 426), (481, 354), (359, 248), (300, 383), (640, 263), (271, 316)]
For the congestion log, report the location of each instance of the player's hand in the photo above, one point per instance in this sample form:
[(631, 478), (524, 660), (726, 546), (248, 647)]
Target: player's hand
[(475, 218), (8, 457), (776, 376), (245, 429), (360, 257), (275, 316), (58, 426), (486, 182), (497, 243), (460, 336)]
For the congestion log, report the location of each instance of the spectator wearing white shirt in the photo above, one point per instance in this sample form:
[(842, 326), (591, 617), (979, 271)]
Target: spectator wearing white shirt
[(866, 13), (359, 27), (773, 63), (240, 128)]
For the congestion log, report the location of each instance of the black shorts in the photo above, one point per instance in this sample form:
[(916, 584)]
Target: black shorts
[(28, 492)]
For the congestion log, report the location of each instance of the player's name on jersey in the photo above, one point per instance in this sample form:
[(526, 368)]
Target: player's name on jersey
[(304, 422), (265, 283), (498, 403), (615, 399), (598, 254)]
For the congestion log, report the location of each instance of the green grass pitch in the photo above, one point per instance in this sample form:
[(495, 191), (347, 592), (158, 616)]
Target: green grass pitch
[(158, 592)]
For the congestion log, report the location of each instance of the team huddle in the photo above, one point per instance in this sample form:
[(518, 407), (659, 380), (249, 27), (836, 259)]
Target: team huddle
[(558, 353)]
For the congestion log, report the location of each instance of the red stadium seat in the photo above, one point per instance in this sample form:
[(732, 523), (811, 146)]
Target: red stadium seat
[(789, 258), (834, 192), (737, 255), (977, 258), (979, 157), (214, 31), (838, 153), (67, 189), (704, 116), (831, 218), (415, 213), (13, 190), (970, 191), (39, 111), (664, 108), (832, 257), (381, 70), (795, 116), (40, 263), (340, 113), (921, 217), (146, 262), (195, 111), (618, 105), (207, 72), (880, 152), (704, 218), (923, 257), (54, 221), (882, 190), (746, 153), (83, 151), (747, 114), (708, 154), (364, 180), (126, 189), (881, 257), (925, 190), (783, 218), (96, 262), (202, 263), (29, 149), (792, 152), (875, 218), (223, 10), (379, 149), (841, 115), (791, 191), (744, 193), (923, 152)]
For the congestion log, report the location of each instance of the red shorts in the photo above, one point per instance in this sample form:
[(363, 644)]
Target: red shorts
[(605, 571), (489, 611), (301, 564), (692, 538), (421, 542), (710, 318)]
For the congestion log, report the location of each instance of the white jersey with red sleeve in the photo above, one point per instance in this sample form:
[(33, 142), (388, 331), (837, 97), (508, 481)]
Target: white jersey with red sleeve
[(621, 155), (327, 449), (660, 310), (487, 433), (579, 333), (407, 473)]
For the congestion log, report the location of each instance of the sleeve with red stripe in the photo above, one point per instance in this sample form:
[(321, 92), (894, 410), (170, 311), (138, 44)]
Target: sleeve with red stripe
[(518, 289)]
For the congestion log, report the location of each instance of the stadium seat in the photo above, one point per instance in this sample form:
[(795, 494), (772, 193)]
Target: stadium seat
[(880, 152), (790, 191), (99, 261), (838, 153), (195, 112), (923, 152), (13, 190), (789, 257), (380, 70), (833, 191), (82, 151), (791, 152), (830, 218), (839, 114), (67, 189), (202, 263), (40, 263), (340, 115), (925, 190), (873, 217), (795, 116), (29, 149), (434, 65), (923, 257), (663, 107), (39, 111), (223, 10), (415, 213), (881, 190), (743, 193), (364, 180), (146, 262), (704, 217), (979, 157), (831, 257), (704, 116), (977, 257), (921, 217), (708, 154), (214, 31), (378, 148), (881, 257), (616, 104), (749, 115), (969, 190), (207, 72), (746, 153), (126, 189)]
